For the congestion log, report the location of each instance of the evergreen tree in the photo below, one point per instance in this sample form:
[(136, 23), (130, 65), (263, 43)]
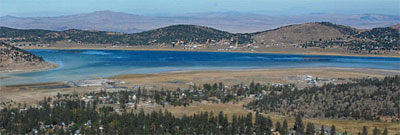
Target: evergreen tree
[(278, 127), (333, 130), (285, 127), (234, 124), (298, 125), (310, 130), (365, 131), (322, 132), (376, 131), (385, 132)]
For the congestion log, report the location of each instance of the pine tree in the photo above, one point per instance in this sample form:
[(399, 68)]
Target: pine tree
[(278, 127), (365, 131), (376, 131), (385, 132), (333, 130), (322, 130), (285, 128), (249, 123), (298, 125), (234, 124), (310, 130)]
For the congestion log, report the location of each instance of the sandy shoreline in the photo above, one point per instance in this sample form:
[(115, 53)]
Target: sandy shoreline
[(211, 50), (36, 68), (30, 93), (231, 77)]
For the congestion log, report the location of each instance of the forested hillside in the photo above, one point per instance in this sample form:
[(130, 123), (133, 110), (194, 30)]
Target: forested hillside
[(318, 34), (373, 41), (365, 99), (10, 54), (186, 33)]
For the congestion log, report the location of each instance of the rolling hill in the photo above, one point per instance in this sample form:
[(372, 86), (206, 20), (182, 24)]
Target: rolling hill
[(166, 35), (227, 21), (317, 34), (301, 33)]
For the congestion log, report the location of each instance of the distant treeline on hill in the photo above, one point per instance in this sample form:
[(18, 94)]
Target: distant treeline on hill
[(320, 34), (177, 33)]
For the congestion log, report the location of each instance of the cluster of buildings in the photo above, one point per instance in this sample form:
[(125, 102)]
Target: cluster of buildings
[(311, 80), (96, 82)]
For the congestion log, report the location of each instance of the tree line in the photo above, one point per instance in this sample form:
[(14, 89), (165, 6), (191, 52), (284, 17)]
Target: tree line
[(364, 99)]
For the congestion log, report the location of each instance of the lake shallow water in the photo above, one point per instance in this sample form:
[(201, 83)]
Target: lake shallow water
[(87, 64)]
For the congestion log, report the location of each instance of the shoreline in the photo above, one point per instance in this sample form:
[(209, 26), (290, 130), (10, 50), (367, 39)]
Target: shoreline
[(209, 50), (47, 66), (193, 73)]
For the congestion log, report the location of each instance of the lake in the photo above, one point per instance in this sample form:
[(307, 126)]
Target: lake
[(87, 64)]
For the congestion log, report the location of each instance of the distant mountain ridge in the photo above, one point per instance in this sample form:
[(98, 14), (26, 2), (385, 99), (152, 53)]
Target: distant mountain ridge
[(231, 22)]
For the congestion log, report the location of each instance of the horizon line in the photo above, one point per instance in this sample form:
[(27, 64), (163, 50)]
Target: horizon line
[(192, 14)]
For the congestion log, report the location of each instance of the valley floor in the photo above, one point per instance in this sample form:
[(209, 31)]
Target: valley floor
[(31, 94)]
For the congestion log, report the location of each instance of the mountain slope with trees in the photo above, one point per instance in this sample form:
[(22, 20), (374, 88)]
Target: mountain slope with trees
[(365, 99), (13, 58), (318, 34), (166, 35)]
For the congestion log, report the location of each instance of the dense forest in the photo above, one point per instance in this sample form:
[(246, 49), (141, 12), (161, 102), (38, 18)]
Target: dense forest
[(365, 99), (69, 114)]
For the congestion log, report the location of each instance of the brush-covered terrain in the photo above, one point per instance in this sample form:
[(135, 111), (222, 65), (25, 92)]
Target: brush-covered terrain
[(15, 59), (318, 34)]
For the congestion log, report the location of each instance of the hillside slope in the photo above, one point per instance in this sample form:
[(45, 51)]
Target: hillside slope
[(301, 33), (384, 40), (364, 99), (166, 35), (15, 59), (190, 33), (397, 27)]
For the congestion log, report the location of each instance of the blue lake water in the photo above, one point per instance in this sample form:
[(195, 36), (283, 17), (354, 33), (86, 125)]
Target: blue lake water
[(87, 64)]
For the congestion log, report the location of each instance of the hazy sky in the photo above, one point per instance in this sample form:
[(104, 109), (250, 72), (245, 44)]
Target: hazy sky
[(170, 7)]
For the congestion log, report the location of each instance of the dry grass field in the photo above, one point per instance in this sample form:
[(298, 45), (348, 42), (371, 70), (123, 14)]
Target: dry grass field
[(351, 126), (265, 76)]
